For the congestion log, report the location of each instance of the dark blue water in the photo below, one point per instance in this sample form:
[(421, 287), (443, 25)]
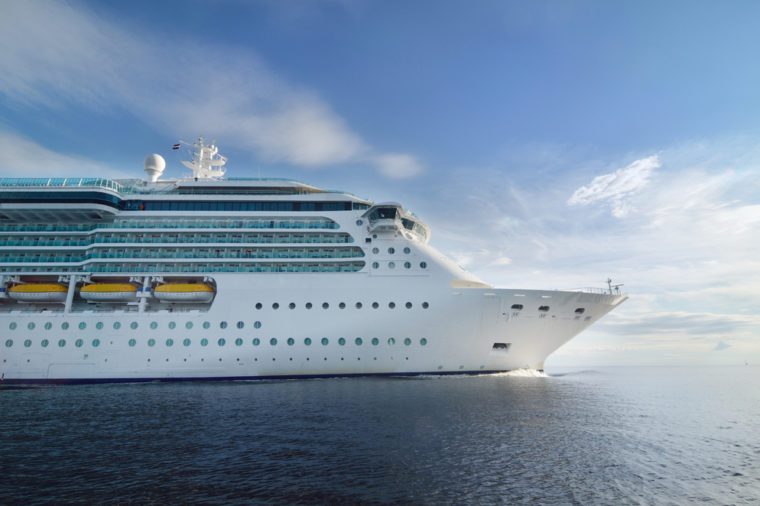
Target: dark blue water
[(612, 436)]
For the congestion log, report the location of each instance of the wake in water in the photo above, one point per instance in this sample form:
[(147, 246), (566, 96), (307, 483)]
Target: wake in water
[(521, 373)]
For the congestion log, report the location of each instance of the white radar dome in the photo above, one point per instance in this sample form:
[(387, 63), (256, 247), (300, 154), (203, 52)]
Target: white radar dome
[(154, 167)]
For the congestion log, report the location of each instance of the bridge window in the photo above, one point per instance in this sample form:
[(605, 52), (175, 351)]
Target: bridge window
[(543, 308), (517, 307)]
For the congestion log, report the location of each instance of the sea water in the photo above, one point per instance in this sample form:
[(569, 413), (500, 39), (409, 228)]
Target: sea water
[(628, 435)]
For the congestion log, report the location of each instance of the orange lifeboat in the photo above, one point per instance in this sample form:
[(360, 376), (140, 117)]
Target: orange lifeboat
[(38, 292), (184, 292), (109, 292)]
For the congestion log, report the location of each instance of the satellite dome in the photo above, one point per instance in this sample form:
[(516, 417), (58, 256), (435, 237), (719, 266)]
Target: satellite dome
[(154, 167)]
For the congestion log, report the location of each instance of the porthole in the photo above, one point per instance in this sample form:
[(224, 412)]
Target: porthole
[(204, 342), (407, 265), (392, 305), (292, 305), (27, 343), (407, 341), (188, 325), (425, 305), (8, 343), (358, 305), (276, 306), (44, 343), (132, 342), (375, 251), (151, 342), (257, 325), (256, 341), (95, 343), (291, 341), (407, 250), (580, 310), (65, 325), (82, 325), (325, 305), (375, 341), (240, 325), (170, 342), (239, 341), (61, 343), (423, 342), (221, 341), (222, 325), (273, 341), (423, 265), (358, 341), (31, 325), (48, 326), (12, 326), (186, 342), (391, 341), (78, 343), (359, 223), (325, 341), (375, 265), (307, 341), (116, 325), (206, 325), (375, 305), (99, 325), (133, 325), (342, 305), (258, 305), (308, 305), (409, 305), (172, 325), (342, 341), (391, 265), (391, 251), (154, 325)]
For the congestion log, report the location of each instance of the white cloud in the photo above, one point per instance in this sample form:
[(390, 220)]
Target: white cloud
[(616, 187), (722, 345), (20, 156), (55, 54)]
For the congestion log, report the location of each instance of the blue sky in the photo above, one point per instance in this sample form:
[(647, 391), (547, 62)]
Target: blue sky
[(548, 144)]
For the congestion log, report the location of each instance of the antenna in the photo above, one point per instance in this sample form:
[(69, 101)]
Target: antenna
[(615, 288), (207, 163)]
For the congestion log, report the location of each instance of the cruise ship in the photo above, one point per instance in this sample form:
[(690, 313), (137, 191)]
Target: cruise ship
[(215, 277)]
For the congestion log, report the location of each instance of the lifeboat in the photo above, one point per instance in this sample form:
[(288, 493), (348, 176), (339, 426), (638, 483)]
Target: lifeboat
[(38, 292), (184, 292), (109, 292)]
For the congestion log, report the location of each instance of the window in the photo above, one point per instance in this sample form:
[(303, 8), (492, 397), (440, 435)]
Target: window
[(49, 325), (580, 310), (133, 325), (407, 250), (425, 305), (543, 308), (27, 343), (240, 325), (258, 305), (325, 341), (358, 341), (188, 325), (358, 305), (256, 341), (78, 343), (375, 265), (12, 326), (308, 305), (407, 265), (221, 341), (307, 341), (257, 325), (30, 325), (172, 325), (391, 251), (8, 343), (517, 307), (275, 306), (502, 347), (222, 325), (375, 341), (95, 343), (61, 343), (151, 342), (154, 325), (292, 305), (99, 325), (407, 341), (375, 305), (44, 343), (391, 265), (342, 341), (239, 341), (170, 342), (206, 325), (391, 341), (359, 223), (375, 251), (423, 342), (409, 305), (423, 265), (291, 341), (132, 342), (204, 342), (392, 305)]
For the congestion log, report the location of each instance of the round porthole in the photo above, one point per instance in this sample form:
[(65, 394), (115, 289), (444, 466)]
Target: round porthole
[(240, 325), (151, 342), (12, 326), (358, 341), (188, 325), (407, 250), (256, 341), (44, 343), (359, 223), (31, 325), (154, 325), (132, 342), (204, 342), (391, 341), (425, 305), (78, 343), (276, 306), (206, 325), (273, 341), (61, 343), (423, 341), (325, 305), (172, 325), (375, 265), (116, 325), (65, 325), (257, 325), (258, 305), (291, 341), (27, 343), (375, 305), (407, 341), (358, 305), (391, 251), (99, 325), (342, 341), (409, 305), (292, 305), (423, 265), (239, 342), (407, 265), (325, 341), (170, 342), (221, 341), (48, 326), (186, 342), (82, 325), (308, 305), (8, 343), (222, 325), (133, 325), (307, 341), (342, 305), (375, 341), (375, 251), (391, 265), (392, 305)]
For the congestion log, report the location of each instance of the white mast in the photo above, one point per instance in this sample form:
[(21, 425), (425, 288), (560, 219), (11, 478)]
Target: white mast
[(207, 163)]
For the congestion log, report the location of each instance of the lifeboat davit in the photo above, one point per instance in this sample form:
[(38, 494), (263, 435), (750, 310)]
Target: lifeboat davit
[(109, 292), (184, 292), (38, 292)]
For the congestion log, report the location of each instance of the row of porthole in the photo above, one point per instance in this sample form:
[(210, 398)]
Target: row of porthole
[(134, 325), (392, 265), (391, 251), (61, 343), (341, 305), (222, 342)]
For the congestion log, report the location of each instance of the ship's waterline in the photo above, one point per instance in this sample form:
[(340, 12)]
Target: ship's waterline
[(207, 278)]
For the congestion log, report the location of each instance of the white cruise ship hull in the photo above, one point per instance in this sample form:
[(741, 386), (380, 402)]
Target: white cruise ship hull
[(456, 332)]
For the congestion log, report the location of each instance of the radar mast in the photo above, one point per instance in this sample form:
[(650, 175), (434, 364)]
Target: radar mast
[(207, 163)]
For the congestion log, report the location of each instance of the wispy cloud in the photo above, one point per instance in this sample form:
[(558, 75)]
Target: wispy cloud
[(616, 187), (722, 345), (57, 54)]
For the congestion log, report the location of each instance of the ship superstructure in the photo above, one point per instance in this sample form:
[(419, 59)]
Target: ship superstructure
[(210, 277)]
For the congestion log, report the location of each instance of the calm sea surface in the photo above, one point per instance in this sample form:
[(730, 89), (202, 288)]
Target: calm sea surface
[(607, 435)]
